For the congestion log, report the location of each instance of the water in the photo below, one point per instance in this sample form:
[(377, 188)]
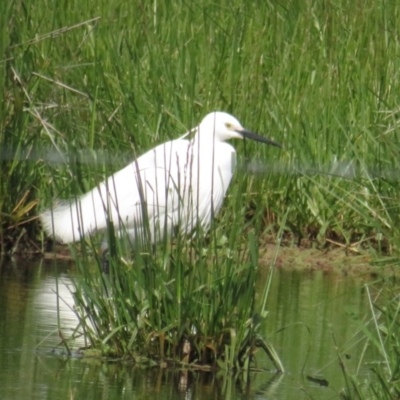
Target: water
[(311, 321)]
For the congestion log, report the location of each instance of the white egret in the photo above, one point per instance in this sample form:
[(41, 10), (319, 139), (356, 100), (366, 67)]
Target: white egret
[(171, 188)]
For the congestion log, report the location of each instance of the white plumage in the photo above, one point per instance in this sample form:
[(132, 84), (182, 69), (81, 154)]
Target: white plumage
[(171, 188)]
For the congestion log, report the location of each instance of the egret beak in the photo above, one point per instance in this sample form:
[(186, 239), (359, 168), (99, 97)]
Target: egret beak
[(254, 136)]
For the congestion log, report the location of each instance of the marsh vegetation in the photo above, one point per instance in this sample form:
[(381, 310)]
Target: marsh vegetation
[(87, 87)]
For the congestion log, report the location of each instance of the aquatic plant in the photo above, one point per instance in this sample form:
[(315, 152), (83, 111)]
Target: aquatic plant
[(191, 303), (382, 338)]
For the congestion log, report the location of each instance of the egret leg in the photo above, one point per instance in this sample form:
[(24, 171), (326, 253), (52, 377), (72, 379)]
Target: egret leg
[(105, 262)]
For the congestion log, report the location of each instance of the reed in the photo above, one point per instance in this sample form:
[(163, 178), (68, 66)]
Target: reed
[(192, 303), (86, 89), (381, 335)]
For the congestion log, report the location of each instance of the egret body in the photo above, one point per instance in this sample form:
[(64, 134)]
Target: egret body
[(171, 188)]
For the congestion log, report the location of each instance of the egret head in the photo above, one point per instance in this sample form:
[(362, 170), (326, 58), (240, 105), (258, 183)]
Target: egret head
[(223, 126)]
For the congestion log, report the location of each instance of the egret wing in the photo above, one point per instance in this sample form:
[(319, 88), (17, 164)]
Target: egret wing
[(146, 193)]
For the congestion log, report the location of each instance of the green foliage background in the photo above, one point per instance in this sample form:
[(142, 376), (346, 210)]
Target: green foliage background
[(86, 86)]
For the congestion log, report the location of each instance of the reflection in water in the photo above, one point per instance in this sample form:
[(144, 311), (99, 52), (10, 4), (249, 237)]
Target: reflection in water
[(308, 323), (53, 302)]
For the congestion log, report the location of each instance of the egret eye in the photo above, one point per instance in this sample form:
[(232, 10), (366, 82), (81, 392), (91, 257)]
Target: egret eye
[(228, 125)]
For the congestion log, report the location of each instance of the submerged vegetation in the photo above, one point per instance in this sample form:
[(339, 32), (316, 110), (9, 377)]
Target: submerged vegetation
[(87, 87)]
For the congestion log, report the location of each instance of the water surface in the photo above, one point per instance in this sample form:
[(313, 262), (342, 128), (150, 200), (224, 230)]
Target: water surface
[(311, 320)]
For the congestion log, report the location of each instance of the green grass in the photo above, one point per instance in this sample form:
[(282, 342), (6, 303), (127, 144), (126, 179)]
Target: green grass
[(87, 87), (188, 304), (381, 339)]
